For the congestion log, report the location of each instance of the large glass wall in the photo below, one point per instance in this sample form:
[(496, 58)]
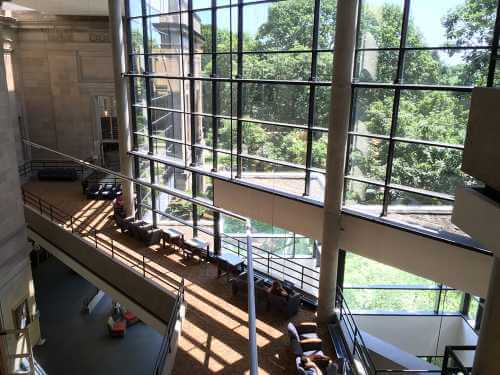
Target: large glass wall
[(416, 64), (373, 287), (235, 88)]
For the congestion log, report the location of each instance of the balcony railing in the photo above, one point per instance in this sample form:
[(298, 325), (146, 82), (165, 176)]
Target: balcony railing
[(304, 278), (103, 239), (359, 352)]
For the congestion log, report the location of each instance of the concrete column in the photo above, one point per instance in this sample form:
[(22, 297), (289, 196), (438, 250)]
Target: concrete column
[(345, 42), (118, 42), (488, 349)]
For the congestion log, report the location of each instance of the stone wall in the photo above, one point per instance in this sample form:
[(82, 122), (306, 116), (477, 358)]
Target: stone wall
[(16, 285), (62, 64)]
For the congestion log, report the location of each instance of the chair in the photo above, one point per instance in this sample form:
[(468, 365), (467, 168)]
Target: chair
[(94, 191), (123, 223), (149, 235), (108, 192), (134, 228), (239, 285), (288, 305)]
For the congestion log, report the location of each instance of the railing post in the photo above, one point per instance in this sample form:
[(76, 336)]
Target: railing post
[(95, 236), (143, 267), (71, 223), (302, 279), (40, 205), (268, 256), (112, 248), (51, 214)]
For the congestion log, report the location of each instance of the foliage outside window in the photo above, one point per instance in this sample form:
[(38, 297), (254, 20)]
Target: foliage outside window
[(416, 64)]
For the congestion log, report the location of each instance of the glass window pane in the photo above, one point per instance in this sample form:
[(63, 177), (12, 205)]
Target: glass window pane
[(435, 116), (280, 66), (360, 270), (168, 150), (274, 142), (376, 66), (163, 6), (134, 8), (138, 66), (202, 159), (167, 93), (164, 34), (317, 186), (422, 211), (136, 35), (276, 103), (166, 124), (271, 29), (364, 197), (425, 167), (380, 23), (139, 91), (273, 176), (410, 301), (170, 65), (142, 144), (203, 130), (325, 66), (451, 22), (319, 149), (368, 158), (373, 111), (141, 119), (144, 170), (322, 110), (446, 67)]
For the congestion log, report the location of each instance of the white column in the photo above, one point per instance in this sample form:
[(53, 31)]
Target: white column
[(118, 42), (487, 356), (345, 41)]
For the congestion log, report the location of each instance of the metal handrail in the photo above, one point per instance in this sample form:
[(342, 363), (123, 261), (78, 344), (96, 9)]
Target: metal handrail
[(359, 347), (450, 352), (269, 262), (100, 238), (166, 345)]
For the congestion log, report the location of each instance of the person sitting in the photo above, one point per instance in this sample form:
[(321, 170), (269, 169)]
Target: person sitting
[(309, 367), (277, 290), (324, 363), (118, 206)]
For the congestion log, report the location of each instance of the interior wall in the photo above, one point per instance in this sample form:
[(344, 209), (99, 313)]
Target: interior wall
[(63, 64), (419, 335), (270, 208), (442, 262), (439, 261)]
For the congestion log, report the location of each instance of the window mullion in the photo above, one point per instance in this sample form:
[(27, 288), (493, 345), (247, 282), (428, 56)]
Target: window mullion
[(494, 49), (215, 97), (239, 92), (312, 95), (395, 107)]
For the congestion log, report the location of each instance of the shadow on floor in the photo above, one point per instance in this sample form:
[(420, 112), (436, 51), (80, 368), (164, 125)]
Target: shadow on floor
[(78, 343)]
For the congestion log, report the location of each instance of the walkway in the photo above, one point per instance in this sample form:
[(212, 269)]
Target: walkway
[(215, 332)]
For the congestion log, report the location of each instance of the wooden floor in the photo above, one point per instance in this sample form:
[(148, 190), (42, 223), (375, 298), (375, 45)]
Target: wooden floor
[(215, 333)]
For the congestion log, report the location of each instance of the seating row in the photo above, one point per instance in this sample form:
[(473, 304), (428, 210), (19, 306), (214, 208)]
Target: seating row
[(139, 229), (286, 304), (103, 191)]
